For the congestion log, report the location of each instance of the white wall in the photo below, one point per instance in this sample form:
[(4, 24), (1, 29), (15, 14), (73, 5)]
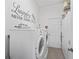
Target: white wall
[(51, 16), (25, 6)]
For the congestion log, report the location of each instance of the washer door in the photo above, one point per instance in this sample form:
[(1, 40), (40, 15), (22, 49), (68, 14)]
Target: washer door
[(40, 47)]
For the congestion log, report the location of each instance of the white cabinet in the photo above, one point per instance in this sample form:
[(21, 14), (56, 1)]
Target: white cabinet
[(67, 36)]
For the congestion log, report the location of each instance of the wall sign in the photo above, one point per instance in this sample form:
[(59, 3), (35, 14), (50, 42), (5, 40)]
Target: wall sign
[(22, 26), (18, 13)]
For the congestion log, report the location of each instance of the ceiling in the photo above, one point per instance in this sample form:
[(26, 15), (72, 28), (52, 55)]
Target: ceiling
[(48, 2)]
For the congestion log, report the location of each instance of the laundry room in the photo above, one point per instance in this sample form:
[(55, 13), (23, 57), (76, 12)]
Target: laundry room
[(38, 29)]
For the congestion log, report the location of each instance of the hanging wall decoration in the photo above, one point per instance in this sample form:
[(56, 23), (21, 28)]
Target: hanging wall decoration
[(18, 14)]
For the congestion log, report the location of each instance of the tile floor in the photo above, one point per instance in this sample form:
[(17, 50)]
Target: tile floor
[(55, 53)]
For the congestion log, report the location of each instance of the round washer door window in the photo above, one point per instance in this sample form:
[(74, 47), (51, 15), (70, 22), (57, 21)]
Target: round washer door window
[(41, 44)]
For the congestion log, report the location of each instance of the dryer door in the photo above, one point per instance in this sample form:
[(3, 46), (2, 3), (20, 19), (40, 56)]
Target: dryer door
[(40, 47)]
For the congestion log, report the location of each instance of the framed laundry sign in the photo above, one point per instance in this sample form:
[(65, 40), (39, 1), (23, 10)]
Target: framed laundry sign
[(22, 19), (24, 26)]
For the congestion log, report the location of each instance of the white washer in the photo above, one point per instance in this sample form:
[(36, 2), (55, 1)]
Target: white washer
[(27, 44)]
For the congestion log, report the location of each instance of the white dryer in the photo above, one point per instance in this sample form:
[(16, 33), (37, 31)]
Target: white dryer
[(41, 49)]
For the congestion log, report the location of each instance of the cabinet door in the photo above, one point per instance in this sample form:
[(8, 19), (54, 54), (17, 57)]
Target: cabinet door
[(70, 40), (67, 32)]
